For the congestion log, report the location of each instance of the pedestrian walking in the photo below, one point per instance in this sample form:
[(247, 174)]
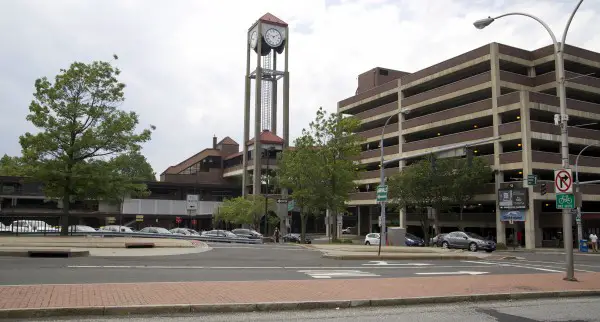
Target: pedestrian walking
[(276, 235), (594, 240)]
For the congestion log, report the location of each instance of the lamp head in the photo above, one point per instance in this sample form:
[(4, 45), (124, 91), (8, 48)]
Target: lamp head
[(482, 23)]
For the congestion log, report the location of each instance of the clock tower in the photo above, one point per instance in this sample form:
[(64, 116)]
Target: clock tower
[(268, 39)]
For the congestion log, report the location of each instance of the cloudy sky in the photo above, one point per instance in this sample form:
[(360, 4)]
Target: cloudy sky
[(183, 61)]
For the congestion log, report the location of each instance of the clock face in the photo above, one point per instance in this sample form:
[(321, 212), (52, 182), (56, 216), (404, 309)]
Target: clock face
[(253, 39), (273, 37)]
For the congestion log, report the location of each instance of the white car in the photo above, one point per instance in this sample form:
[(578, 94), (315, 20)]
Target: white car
[(30, 226), (81, 229), (372, 239), (116, 229), (155, 230)]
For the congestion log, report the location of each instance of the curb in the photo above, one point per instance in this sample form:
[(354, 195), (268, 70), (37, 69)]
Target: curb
[(279, 306), (45, 253), (401, 257)]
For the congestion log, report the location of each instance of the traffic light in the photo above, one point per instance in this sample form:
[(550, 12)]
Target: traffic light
[(543, 190)]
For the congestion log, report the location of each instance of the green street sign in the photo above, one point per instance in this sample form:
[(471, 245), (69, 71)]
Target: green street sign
[(532, 179), (565, 201), (291, 204), (382, 193)]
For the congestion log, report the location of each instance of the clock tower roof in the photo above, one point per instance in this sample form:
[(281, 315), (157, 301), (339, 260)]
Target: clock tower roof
[(271, 19)]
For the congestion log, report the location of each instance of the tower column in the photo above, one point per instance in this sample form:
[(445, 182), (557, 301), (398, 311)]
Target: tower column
[(246, 121), (274, 98), (256, 183)]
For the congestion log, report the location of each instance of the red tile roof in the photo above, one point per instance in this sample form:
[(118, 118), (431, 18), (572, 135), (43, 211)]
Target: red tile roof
[(267, 137), (231, 156), (227, 141), (269, 18)]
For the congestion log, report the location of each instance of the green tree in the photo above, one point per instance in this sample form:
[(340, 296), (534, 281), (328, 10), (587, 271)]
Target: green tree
[(80, 133), (299, 170), (337, 147), (12, 166), (467, 179), (245, 211)]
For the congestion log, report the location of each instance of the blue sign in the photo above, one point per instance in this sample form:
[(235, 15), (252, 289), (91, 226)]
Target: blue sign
[(514, 215)]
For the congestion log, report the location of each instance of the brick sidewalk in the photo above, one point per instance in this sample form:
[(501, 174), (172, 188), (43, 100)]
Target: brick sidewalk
[(131, 294)]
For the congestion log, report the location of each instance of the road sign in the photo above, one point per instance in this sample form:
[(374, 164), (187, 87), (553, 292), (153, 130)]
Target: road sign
[(291, 205), (192, 202), (565, 201), (178, 220), (194, 222), (139, 218), (382, 193), (563, 181), (532, 180), (282, 201)]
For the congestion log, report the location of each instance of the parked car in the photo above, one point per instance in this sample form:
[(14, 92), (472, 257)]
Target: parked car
[(437, 240), (116, 229), (248, 233), (412, 240), (295, 238), (81, 229), (185, 232), (470, 241), (221, 234), (31, 226), (372, 239), (155, 230)]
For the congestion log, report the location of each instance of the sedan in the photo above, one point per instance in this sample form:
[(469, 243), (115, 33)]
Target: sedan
[(155, 230), (412, 240), (81, 229), (247, 233), (372, 239), (470, 241), (295, 238), (185, 232)]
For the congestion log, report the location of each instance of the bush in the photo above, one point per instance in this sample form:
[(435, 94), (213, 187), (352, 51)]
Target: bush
[(501, 246)]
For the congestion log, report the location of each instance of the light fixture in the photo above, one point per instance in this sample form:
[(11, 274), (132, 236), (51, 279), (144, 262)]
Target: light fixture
[(475, 151), (475, 126), (518, 117), (520, 172), (482, 23), (547, 205), (519, 145), (439, 134)]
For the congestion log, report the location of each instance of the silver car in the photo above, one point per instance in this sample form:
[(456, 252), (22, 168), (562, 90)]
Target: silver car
[(470, 241)]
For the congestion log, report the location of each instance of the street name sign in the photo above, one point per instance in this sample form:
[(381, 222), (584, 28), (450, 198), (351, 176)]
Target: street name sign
[(563, 181), (532, 179), (565, 201)]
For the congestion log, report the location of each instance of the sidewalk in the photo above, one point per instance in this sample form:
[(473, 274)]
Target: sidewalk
[(131, 298)]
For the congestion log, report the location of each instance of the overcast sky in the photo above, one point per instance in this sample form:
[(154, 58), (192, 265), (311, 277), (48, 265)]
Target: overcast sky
[(183, 61)]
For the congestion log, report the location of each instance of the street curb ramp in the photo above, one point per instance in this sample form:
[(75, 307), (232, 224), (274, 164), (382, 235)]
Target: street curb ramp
[(87, 311)]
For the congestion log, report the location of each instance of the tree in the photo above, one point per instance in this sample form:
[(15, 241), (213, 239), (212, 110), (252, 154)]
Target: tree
[(299, 170), (337, 147), (81, 133), (467, 180), (245, 211), (12, 166)]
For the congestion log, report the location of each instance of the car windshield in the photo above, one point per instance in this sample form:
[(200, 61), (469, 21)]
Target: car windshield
[(473, 235), (411, 236)]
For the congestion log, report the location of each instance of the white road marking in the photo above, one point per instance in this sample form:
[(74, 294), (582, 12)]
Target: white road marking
[(553, 267), (453, 273), (269, 267), (531, 267), (479, 262), (384, 263), (558, 263), (336, 273)]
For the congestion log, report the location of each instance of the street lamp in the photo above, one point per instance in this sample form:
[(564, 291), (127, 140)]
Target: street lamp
[(579, 226), (382, 233), (267, 188), (560, 80)]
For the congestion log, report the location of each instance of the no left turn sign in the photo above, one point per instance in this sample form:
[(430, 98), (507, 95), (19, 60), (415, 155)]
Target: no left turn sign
[(563, 181)]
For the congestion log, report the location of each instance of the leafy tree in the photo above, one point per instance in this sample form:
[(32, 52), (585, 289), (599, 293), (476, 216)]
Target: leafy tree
[(12, 166), (245, 211), (337, 146), (300, 171), (81, 133), (467, 180)]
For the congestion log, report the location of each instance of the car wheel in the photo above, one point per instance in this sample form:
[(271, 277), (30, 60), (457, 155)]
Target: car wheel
[(473, 247), (445, 245), (489, 251), (367, 243)]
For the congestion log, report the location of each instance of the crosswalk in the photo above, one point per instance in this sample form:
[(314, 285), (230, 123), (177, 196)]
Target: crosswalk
[(337, 273)]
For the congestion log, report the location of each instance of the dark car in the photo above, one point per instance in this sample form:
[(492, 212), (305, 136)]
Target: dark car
[(470, 241), (412, 240), (248, 233), (295, 238)]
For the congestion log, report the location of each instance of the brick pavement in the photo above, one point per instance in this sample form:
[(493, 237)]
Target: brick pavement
[(131, 294)]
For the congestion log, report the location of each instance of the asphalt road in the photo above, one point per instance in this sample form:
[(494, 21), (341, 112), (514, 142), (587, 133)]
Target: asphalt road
[(259, 262), (563, 310)]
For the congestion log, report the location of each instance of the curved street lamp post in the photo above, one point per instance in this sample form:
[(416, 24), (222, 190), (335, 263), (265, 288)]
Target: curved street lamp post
[(579, 226), (560, 80)]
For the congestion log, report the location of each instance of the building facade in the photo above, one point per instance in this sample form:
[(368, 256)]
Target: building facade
[(495, 91)]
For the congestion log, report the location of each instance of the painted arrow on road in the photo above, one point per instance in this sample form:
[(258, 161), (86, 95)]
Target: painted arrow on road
[(453, 273), (384, 263)]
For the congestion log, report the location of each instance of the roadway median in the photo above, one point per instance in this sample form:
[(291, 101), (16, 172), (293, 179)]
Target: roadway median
[(77, 246), (362, 252)]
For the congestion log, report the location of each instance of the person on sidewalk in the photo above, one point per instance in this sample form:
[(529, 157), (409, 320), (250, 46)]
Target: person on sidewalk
[(594, 240), (276, 235)]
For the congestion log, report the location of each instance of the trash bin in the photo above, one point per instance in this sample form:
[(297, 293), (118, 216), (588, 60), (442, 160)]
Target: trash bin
[(583, 246)]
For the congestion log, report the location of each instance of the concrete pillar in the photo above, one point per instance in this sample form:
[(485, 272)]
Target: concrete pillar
[(495, 79), (327, 224), (246, 120), (358, 220), (402, 163), (274, 97), (530, 222), (257, 152)]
